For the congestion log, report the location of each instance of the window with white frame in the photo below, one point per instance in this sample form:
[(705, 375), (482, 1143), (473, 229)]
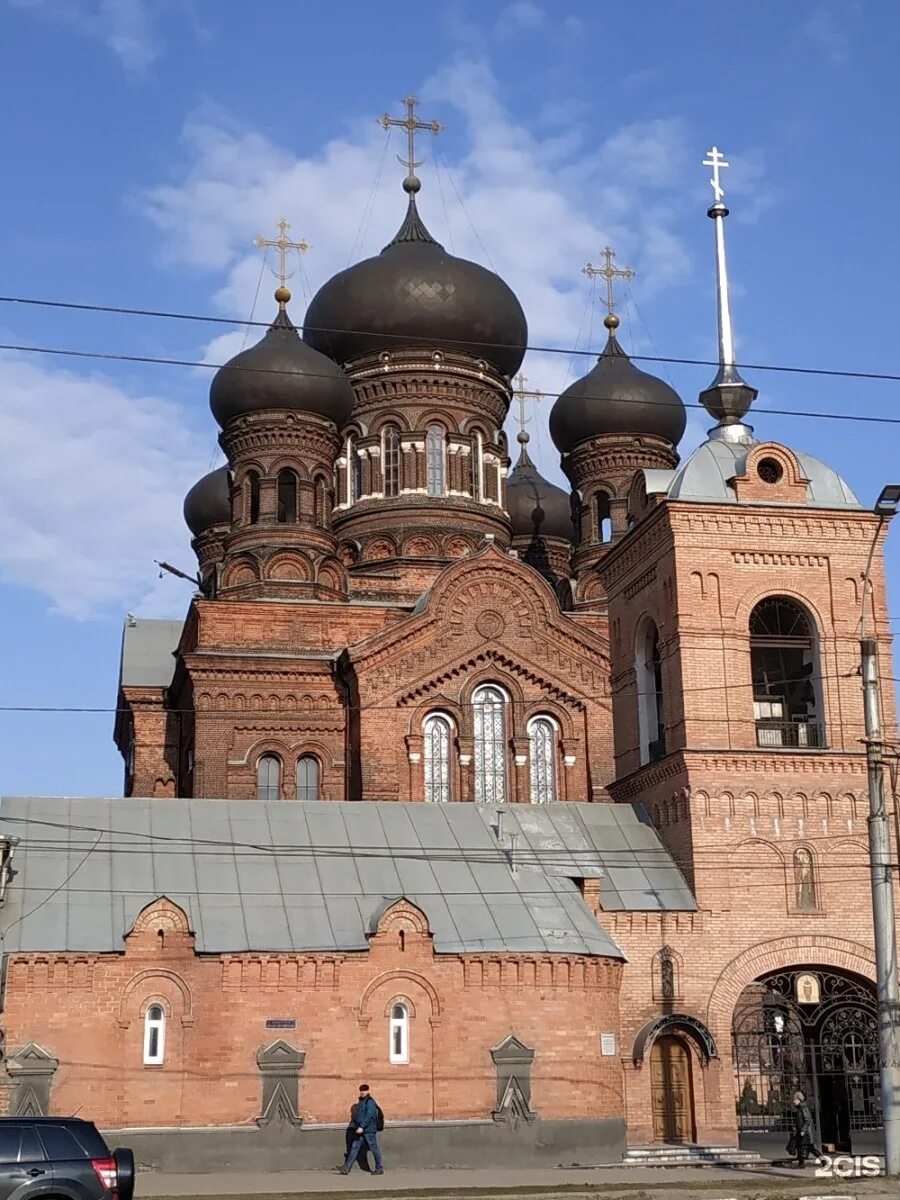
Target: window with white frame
[(390, 458), (154, 1036), (437, 735), (354, 471), (308, 778), (489, 704), (399, 1034), (268, 777), (434, 460), (542, 737)]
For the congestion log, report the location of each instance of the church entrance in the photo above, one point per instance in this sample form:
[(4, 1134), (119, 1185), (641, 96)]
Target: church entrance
[(672, 1091), (813, 1030)]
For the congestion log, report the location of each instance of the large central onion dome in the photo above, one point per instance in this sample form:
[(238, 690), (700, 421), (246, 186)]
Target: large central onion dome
[(280, 372), (536, 507), (416, 294), (616, 397)]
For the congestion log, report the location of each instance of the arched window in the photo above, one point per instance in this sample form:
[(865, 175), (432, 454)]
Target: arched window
[(648, 671), (308, 778), (154, 1036), (437, 737), (434, 460), (786, 705), (253, 497), (268, 777), (390, 458), (354, 471), (477, 466), (602, 518), (805, 898), (320, 502), (287, 497), (489, 704), (399, 1034), (542, 759)]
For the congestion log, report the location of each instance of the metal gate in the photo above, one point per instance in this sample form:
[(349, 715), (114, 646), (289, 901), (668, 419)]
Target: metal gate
[(812, 1030)]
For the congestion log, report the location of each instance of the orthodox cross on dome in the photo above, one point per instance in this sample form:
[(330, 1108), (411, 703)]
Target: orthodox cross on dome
[(522, 396), (283, 245), (609, 273), (716, 160), (410, 123)]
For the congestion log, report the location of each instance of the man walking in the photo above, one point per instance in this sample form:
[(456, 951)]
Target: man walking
[(803, 1130), (366, 1132)]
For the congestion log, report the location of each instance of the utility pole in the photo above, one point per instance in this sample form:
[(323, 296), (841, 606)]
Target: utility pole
[(886, 506)]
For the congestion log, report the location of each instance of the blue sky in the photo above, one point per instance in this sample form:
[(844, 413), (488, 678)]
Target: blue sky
[(147, 142)]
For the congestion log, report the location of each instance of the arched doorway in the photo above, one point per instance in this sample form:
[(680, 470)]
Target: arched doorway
[(815, 1030), (672, 1092)]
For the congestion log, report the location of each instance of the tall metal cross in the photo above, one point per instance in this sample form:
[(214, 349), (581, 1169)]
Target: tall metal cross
[(523, 396), (716, 160), (282, 244), (609, 273), (410, 123)]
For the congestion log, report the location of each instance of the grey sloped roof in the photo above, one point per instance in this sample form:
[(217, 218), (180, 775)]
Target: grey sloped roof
[(148, 652), (300, 877), (703, 478)]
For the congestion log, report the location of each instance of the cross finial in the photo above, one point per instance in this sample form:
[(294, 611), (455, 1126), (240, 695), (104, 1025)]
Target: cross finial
[(522, 396), (609, 273), (282, 244), (410, 123), (716, 160)]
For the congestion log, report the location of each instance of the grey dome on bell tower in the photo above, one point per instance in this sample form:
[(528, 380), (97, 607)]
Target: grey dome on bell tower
[(536, 507), (416, 294), (616, 397), (208, 503), (280, 372)]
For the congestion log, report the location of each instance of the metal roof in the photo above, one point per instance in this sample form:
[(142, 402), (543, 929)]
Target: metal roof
[(148, 652), (255, 876)]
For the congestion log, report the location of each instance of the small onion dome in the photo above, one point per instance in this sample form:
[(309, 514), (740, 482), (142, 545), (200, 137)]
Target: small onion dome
[(416, 294), (616, 397), (536, 507), (281, 371), (208, 502)]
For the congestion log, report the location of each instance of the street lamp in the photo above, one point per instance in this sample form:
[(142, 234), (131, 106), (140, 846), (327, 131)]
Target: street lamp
[(887, 504)]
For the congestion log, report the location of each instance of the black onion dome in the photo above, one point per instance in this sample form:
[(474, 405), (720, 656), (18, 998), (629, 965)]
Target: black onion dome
[(536, 507), (281, 371), (208, 502), (616, 397), (415, 293)]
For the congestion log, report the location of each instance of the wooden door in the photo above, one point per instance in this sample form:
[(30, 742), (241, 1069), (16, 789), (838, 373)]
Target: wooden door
[(672, 1091)]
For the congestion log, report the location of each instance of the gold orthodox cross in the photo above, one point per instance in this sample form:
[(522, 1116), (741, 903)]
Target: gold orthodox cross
[(523, 396), (410, 123), (282, 244), (609, 273)]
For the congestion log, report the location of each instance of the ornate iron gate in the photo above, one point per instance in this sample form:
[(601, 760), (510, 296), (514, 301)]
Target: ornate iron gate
[(810, 1030)]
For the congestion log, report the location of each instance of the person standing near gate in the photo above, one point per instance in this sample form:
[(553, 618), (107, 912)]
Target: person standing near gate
[(366, 1117), (802, 1137)]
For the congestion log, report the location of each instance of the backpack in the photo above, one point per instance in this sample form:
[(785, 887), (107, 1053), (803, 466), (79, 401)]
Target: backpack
[(379, 1119)]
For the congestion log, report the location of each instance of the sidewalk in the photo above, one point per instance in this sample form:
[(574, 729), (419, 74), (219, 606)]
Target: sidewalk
[(677, 1183)]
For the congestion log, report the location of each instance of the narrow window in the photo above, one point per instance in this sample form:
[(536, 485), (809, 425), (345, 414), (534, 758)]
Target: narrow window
[(308, 778), (354, 471), (399, 1034), (542, 759), (648, 672), (434, 460), (268, 778), (489, 704), (390, 458), (602, 518), (783, 663), (477, 467), (437, 759), (287, 497), (154, 1036), (253, 485)]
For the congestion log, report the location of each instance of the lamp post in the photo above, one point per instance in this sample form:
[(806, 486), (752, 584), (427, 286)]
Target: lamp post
[(880, 868)]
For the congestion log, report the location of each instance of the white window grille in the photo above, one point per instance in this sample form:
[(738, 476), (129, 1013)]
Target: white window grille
[(437, 733), (399, 1034), (154, 1036), (390, 457), (542, 759), (489, 704), (434, 460)]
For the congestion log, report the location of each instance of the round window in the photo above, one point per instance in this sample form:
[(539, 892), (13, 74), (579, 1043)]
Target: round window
[(769, 470)]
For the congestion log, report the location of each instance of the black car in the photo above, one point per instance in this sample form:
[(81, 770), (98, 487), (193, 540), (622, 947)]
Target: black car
[(62, 1158)]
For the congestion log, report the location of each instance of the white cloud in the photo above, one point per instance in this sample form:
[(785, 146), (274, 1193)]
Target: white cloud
[(91, 490), (827, 32), (126, 27), (522, 15)]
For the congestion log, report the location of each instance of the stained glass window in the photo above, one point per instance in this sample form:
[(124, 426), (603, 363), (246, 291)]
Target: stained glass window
[(490, 745)]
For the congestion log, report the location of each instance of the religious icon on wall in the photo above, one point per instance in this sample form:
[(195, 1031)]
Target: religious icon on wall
[(807, 988), (804, 880)]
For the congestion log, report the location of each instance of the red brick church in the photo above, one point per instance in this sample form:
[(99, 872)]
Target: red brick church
[(542, 811)]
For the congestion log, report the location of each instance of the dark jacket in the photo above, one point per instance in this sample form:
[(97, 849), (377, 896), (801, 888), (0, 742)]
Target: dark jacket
[(367, 1115), (803, 1122)]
